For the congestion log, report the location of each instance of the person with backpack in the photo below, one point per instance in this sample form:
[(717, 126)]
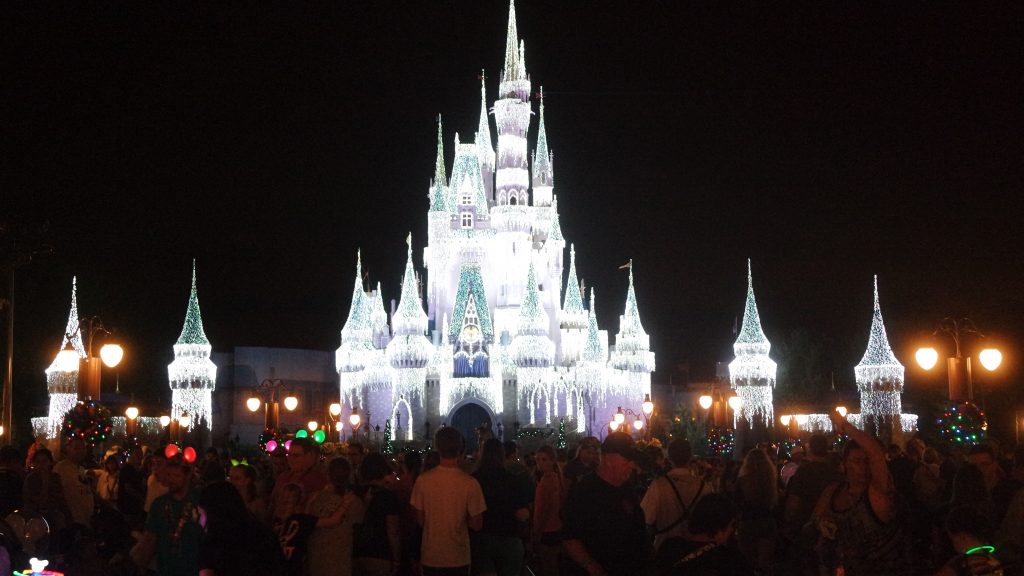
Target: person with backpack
[(670, 498)]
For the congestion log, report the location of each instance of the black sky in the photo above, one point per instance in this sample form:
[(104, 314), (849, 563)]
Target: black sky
[(827, 141)]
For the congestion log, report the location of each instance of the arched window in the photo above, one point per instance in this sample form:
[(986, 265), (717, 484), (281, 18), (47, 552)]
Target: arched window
[(512, 200)]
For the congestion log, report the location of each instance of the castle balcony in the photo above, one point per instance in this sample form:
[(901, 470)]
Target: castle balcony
[(505, 218)]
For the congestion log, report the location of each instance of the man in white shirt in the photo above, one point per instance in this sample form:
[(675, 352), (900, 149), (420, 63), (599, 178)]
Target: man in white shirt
[(448, 503), (77, 490), (669, 499)]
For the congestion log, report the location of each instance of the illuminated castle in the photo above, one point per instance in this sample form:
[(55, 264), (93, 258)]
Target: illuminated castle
[(498, 341)]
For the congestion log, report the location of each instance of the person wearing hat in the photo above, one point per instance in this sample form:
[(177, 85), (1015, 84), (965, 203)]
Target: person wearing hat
[(604, 524)]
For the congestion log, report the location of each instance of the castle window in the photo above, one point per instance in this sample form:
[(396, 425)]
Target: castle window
[(467, 198), (512, 200), (467, 219)]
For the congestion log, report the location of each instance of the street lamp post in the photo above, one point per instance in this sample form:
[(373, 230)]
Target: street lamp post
[(717, 406), (267, 394), (958, 367), (89, 375)]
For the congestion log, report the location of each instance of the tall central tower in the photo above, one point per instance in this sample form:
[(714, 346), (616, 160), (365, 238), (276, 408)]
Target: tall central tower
[(512, 115)]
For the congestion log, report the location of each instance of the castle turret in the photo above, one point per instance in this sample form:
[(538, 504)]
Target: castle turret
[(62, 380), (879, 374), (752, 373), (543, 164), (572, 318), (357, 334), (192, 374), (632, 344), (484, 145), (512, 117), (471, 329), (409, 351), (531, 347)]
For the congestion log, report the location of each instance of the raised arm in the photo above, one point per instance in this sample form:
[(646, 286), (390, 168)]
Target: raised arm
[(880, 489)]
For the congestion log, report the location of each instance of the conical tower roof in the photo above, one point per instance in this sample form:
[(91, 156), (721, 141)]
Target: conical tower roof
[(484, 145), (73, 332), (555, 234), (573, 304), (512, 65), (439, 186), (410, 315), (357, 326), (533, 319), (532, 348), (751, 337), (192, 332), (593, 351), (879, 363)]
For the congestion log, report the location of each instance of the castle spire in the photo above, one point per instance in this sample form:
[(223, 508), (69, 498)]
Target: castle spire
[(573, 305), (593, 351), (543, 173), (512, 66), (483, 132), (879, 374), (438, 187), (532, 348), (192, 332), (752, 372), (750, 331)]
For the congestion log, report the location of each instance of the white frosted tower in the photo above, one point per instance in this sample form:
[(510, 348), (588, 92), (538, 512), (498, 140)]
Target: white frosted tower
[(533, 353), (62, 381), (573, 316), (879, 374), (192, 374), (752, 373)]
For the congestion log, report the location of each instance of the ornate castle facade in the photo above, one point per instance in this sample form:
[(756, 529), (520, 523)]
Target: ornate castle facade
[(500, 339)]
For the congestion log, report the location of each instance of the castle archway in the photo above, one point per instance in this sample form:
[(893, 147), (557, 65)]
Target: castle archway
[(466, 417)]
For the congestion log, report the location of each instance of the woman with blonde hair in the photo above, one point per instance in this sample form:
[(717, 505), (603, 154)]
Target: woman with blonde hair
[(757, 493)]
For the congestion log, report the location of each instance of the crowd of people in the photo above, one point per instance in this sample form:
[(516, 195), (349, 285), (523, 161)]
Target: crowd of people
[(851, 506)]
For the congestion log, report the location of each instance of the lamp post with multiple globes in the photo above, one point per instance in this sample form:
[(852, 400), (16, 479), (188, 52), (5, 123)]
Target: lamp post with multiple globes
[(89, 374), (619, 419), (958, 367), (717, 406), (268, 395)]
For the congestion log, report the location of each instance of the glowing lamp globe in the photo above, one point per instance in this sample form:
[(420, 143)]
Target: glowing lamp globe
[(648, 406), (926, 357), (705, 401), (165, 420), (335, 409), (620, 417), (291, 403), (841, 410), (735, 402), (132, 413), (185, 421), (312, 425), (339, 426), (354, 419), (613, 425), (111, 354), (253, 404), (785, 419), (990, 358), (638, 424), (67, 359)]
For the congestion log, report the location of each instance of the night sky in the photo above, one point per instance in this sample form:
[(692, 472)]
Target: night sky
[(827, 141)]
